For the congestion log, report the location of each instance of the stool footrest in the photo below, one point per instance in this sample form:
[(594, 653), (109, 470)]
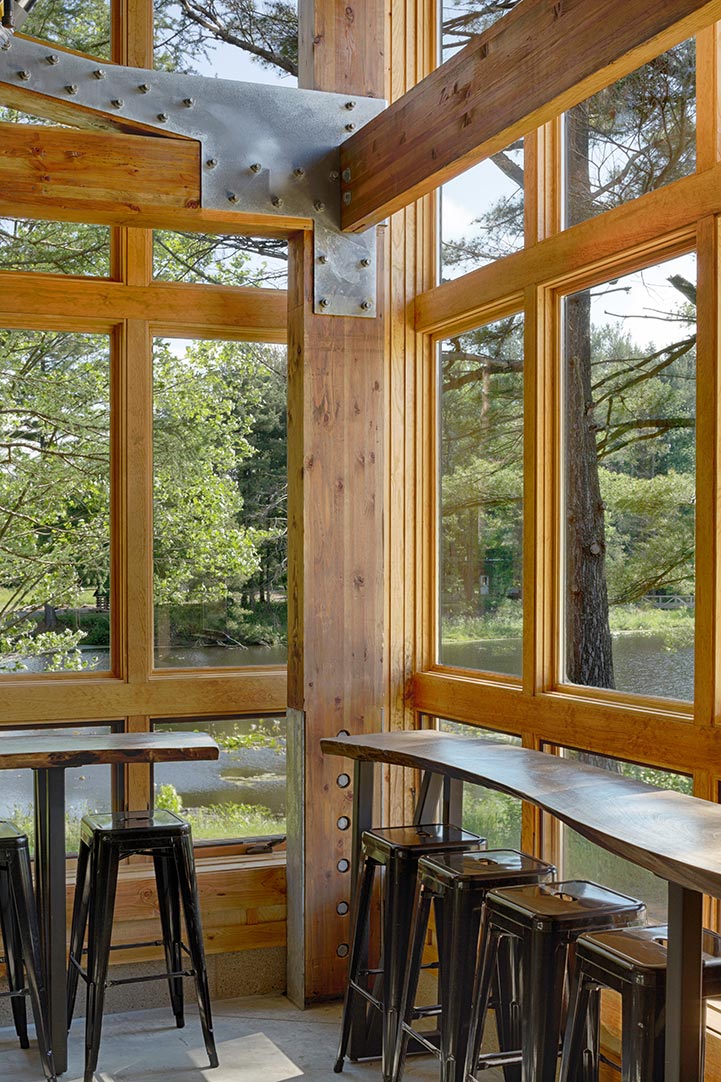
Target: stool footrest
[(428, 1045), (427, 1012), (150, 977), (498, 1059)]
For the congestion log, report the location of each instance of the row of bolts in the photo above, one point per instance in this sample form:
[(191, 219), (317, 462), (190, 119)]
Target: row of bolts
[(211, 163)]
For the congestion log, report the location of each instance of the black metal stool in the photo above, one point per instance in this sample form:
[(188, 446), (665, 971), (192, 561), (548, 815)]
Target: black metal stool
[(21, 942), (397, 850), (633, 963), (105, 840), (457, 884), (546, 920)]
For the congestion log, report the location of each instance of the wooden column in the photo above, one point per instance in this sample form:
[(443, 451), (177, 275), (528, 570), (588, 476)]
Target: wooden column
[(335, 588)]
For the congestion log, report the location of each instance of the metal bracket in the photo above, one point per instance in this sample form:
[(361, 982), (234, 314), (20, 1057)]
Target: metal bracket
[(265, 149)]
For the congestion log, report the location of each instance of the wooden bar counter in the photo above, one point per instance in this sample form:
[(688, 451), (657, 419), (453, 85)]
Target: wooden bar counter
[(675, 836), (49, 756)]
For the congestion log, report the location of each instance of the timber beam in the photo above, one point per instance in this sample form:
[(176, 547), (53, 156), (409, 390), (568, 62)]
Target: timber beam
[(542, 58)]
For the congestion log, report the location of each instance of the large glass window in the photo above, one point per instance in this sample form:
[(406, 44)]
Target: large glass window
[(239, 796), (87, 789), (220, 504), (228, 261), (481, 498), (54, 247), (629, 524), (54, 501), (82, 27), (581, 859), (636, 135), (493, 815)]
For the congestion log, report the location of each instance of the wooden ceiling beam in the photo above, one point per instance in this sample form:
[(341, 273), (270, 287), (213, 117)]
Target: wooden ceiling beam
[(110, 178), (542, 58)]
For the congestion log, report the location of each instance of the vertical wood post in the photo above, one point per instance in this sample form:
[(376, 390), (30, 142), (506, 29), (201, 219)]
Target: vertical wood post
[(335, 541)]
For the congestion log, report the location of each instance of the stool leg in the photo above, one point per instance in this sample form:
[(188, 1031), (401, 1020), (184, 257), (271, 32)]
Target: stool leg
[(81, 901), (490, 936), (642, 1034), (579, 1061), (166, 880), (21, 885), (361, 918), (410, 984), (185, 865), (543, 1003), (399, 896), (104, 874), (13, 958), (460, 957), (507, 997)]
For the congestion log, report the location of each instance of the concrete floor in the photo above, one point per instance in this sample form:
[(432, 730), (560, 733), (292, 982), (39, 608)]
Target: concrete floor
[(260, 1039)]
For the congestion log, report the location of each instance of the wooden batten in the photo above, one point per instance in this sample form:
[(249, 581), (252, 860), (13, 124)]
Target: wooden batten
[(471, 106)]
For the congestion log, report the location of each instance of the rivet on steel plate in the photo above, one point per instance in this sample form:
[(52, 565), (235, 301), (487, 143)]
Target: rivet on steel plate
[(277, 201), (71, 88), (299, 173), (256, 167), (350, 105), (144, 88), (98, 73), (350, 127), (334, 174), (211, 163), (24, 75), (366, 305), (365, 262), (117, 103), (52, 58), (323, 302), (188, 102), (319, 205), (162, 117), (232, 197), (323, 259)]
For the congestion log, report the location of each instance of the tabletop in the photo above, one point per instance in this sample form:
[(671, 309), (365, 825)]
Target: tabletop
[(73, 747), (677, 837)]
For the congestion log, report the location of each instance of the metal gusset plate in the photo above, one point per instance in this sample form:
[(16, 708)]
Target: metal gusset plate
[(265, 149)]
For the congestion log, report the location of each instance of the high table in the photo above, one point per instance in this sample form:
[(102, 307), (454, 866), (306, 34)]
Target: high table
[(675, 836), (49, 756)]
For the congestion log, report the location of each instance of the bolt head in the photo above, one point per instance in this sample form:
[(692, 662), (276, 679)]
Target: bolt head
[(256, 167), (319, 205), (299, 173), (277, 201), (98, 73), (144, 88), (350, 127), (365, 262), (24, 75), (350, 105), (162, 117), (117, 103), (323, 259), (366, 305), (232, 197), (71, 88), (334, 174), (211, 163), (52, 58), (188, 102), (323, 302)]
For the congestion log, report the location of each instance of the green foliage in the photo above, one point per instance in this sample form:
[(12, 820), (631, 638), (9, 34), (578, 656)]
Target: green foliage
[(222, 821), (167, 798), (492, 815), (264, 733)]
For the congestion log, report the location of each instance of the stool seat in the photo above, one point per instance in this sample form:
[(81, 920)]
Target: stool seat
[(571, 906), (21, 942), (396, 849), (106, 839), (456, 884), (631, 962)]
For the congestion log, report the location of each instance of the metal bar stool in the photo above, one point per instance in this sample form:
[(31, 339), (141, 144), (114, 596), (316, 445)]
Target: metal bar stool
[(632, 962), (105, 840), (397, 850), (457, 884), (21, 942), (545, 920)]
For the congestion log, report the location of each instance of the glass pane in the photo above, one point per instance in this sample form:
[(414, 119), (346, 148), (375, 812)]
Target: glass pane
[(87, 789), (229, 261), (632, 137), (481, 211), (255, 43), (481, 498), (54, 501), (630, 377), (220, 504), (82, 26), (581, 859), (54, 247), (242, 794), (492, 815)]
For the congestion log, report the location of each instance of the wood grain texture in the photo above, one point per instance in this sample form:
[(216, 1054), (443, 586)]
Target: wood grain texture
[(44, 751), (675, 836), (558, 52)]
